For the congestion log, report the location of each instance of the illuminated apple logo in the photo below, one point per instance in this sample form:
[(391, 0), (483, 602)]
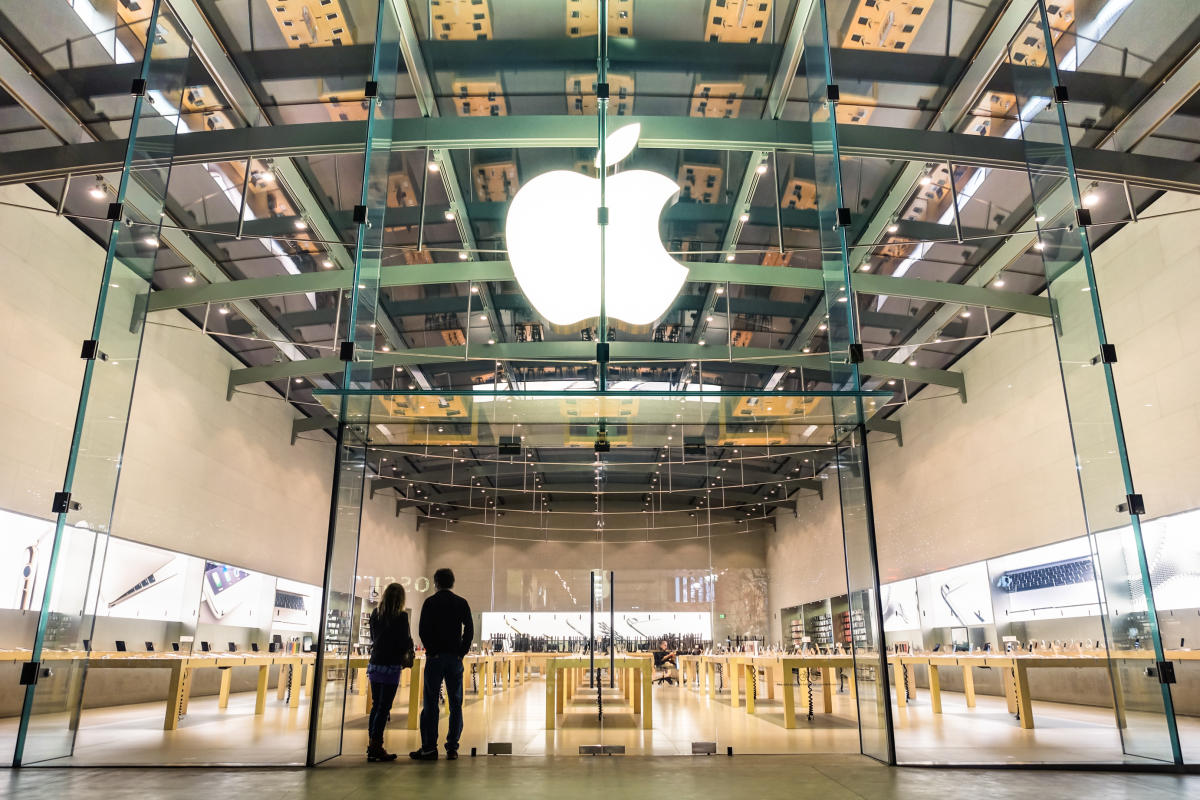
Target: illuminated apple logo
[(554, 242)]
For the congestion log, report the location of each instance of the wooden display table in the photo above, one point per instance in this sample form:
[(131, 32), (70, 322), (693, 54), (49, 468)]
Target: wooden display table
[(1015, 670), (181, 667), (560, 688)]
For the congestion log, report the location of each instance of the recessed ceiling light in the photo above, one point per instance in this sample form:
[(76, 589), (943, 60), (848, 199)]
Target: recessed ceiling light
[(300, 224), (151, 241), (190, 277), (926, 180), (1040, 246), (893, 228), (729, 257), (762, 169), (449, 215), (744, 218), (708, 319), (1039, 218), (462, 255), (223, 310), (720, 290), (806, 350), (702, 343), (327, 264), (98, 190), (491, 341), (298, 380), (433, 167), (483, 317), (474, 290), (998, 282), (822, 327)]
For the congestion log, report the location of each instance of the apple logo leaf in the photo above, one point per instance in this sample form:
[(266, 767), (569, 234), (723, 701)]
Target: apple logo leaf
[(619, 144)]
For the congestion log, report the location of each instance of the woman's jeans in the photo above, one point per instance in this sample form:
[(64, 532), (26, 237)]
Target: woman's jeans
[(382, 695)]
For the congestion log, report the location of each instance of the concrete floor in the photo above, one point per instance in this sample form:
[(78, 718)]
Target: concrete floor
[(827, 777)]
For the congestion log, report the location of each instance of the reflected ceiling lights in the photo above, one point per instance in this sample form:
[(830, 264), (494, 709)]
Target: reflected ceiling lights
[(554, 242)]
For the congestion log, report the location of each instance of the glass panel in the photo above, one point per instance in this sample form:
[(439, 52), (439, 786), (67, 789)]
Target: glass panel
[(1105, 479), (334, 664), (50, 715), (845, 352)]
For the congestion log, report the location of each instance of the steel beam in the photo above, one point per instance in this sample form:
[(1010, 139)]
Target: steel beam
[(452, 133), (584, 352)]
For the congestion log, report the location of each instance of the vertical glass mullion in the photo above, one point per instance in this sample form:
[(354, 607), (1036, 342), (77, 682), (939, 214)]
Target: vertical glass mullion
[(1142, 705), (358, 353), (84, 508), (862, 575)]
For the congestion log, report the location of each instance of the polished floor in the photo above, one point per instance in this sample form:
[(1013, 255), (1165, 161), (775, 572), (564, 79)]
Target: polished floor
[(830, 777), (132, 735)]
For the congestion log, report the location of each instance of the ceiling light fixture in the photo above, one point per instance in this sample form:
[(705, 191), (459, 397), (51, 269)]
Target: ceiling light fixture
[(98, 191), (449, 215), (761, 169), (190, 277), (300, 225), (462, 255)]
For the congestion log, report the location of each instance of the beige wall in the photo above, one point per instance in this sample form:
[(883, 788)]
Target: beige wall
[(996, 474), (201, 474)]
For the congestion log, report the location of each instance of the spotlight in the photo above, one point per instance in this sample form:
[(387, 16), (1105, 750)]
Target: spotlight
[(98, 190), (449, 215), (762, 169), (190, 277), (223, 310), (893, 228), (300, 225)]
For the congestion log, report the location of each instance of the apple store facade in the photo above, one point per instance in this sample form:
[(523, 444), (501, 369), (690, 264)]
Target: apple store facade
[(837, 347)]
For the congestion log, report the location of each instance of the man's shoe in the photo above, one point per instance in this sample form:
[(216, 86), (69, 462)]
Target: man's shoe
[(423, 755), (451, 755)]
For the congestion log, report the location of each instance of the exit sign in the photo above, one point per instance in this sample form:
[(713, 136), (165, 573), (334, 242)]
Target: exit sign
[(720, 616)]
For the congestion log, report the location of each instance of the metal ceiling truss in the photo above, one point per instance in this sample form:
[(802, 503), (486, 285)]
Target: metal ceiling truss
[(577, 352), (501, 271), (515, 132)]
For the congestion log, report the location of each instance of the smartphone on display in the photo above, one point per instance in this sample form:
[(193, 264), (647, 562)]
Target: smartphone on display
[(225, 588)]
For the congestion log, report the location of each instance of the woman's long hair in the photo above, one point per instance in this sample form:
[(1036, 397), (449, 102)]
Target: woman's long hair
[(391, 605)]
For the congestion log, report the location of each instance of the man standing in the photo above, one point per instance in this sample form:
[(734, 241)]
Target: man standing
[(446, 632)]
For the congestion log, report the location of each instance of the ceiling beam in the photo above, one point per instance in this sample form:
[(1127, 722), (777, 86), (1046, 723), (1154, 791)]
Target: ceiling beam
[(457, 133), (584, 352), (501, 271)]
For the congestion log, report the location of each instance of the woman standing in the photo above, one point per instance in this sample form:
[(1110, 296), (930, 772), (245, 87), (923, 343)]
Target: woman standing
[(391, 652)]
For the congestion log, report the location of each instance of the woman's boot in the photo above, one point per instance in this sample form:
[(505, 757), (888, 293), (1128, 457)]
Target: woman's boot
[(375, 751)]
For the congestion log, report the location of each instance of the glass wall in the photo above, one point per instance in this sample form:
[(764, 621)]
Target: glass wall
[(686, 529)]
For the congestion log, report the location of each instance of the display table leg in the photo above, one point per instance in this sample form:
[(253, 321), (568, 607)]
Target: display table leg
[(750, 673), (260, 690), (969, 685), (1024, 701), (553, 698), (280, 685), (1010, 689), (415, 685), (226, 681), (769, 675), (310, 678), (647, 709), (187, 689), (935, 689), (294, 685), (735, 693), (174, 697), (789, 700), (898, 681), (828, 676)]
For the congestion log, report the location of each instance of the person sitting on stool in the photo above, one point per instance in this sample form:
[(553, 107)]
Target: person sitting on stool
[(665, 666)]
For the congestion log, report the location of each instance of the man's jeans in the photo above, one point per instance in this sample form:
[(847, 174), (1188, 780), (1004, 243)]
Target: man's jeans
[(445, 667)]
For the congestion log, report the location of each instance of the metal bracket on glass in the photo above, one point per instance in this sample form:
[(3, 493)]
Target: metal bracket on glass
[(1083, 217), (856, 354), (843, 218), (601, 91), (115, 210), (138, 87), (602, 215), (1108, 354), (90, 350), (1163, 670), (601, 352), (371, 90), (833, 93), (346, 351), (360, 215), (1060, 94), (1133, 505), (62, 503), (29, 672)]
